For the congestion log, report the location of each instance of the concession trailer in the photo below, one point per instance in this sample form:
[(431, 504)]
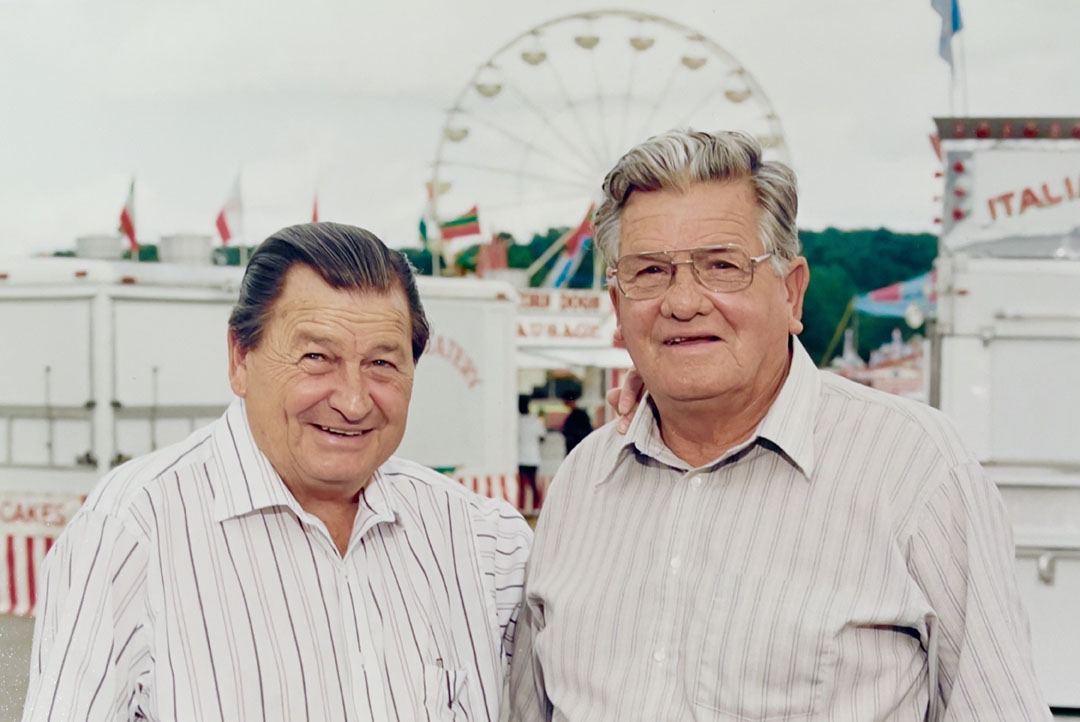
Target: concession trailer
[(1006, 364)]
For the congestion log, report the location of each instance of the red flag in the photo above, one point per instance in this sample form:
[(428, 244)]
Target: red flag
[(127, 218), (315, 210), (229, 217)]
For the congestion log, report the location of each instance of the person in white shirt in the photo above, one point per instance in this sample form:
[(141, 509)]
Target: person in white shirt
[(768, 541), (531, 432), (280, 565)]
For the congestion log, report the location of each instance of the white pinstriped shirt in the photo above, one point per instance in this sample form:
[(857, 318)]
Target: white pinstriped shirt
[(797, 577), (192, 586)]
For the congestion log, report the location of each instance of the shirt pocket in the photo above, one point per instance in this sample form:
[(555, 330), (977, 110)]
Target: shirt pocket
[(769, 649), (446, 694)]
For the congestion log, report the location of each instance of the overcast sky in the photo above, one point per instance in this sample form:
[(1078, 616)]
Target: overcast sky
[(350, 98)]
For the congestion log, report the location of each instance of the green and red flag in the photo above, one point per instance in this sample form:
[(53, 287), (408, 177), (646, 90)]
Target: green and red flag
[(467, 224)]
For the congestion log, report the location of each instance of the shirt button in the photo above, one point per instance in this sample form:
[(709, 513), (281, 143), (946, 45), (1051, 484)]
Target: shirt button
[(695, 481), (659, 655), (676, 562)]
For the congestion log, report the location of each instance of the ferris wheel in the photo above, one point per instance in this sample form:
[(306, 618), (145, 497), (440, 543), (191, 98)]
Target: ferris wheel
[(531, 135)]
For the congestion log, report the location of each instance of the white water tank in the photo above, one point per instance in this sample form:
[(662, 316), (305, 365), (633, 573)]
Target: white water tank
[(189, 248), (100, 246)]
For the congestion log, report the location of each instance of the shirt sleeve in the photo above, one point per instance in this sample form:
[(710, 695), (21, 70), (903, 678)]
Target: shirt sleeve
[(90, 639), (962, 557), (528, 695), (512, 543)]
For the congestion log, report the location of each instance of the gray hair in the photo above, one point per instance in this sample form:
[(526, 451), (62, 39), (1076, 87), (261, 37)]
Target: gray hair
[(346, 257), (680, 158)]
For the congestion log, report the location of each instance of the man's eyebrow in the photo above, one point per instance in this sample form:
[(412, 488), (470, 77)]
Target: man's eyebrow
[(312, 337), (388, 347)]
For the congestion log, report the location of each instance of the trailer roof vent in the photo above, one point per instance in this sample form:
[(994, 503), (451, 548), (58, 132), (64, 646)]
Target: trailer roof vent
[(186, 248), (109, 247)]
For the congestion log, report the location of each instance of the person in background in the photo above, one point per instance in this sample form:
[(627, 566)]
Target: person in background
[(577, 424), (768, 541), (531, 432), (280, 564)]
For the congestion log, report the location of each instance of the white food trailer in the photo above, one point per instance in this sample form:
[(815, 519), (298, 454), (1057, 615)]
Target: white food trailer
[(1007, 352)]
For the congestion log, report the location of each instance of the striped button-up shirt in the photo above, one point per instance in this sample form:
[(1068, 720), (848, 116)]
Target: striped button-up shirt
[(193, 586), (800, 576)]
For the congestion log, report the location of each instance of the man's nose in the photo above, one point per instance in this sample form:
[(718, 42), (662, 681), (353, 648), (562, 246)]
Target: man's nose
[(351, 396), (684, 297)]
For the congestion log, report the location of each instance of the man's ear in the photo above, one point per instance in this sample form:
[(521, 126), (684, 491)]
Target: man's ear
[(796, 280), (237, 365), (614, 294)]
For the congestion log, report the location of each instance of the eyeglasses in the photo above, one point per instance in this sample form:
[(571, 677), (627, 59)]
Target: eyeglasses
[(723, 269)]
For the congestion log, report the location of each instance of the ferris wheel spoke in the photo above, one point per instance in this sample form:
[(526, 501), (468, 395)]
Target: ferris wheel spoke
[(708, 99), (601, 115), (531, 201), (516, 172), (534, 147), (570, 145), (644, 129), (626, 105), (598, 159)]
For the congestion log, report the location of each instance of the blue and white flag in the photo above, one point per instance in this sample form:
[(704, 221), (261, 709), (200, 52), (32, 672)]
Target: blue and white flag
[(949, 10)]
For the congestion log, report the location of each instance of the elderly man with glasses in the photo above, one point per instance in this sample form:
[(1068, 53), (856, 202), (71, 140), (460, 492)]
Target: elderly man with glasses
[(767, 541)]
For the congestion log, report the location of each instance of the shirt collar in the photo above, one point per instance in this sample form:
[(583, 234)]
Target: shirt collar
[(249, 482), (789, 422), (788, 425)]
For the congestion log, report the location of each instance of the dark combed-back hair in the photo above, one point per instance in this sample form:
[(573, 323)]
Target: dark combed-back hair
[(346, 257)]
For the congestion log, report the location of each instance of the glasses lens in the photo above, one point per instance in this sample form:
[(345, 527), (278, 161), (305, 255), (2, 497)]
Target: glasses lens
[(645, 275), (724, 268)]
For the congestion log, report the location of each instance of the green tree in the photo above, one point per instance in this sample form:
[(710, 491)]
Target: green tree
[(420, 258), (827, 297), (871, 258)]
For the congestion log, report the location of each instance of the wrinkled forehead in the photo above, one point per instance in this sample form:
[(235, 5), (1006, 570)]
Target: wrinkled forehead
[(706, 214), (303, 291)]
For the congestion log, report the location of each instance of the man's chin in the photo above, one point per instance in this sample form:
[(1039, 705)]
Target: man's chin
[(692, 392)]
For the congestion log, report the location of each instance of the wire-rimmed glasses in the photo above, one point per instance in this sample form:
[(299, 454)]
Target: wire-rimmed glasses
[(723, 269)]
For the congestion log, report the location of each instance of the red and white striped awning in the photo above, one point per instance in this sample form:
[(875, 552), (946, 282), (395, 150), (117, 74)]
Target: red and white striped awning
[(29, 524)]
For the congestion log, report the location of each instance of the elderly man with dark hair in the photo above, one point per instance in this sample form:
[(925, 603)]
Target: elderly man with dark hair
[(279, 564), (767, 541)]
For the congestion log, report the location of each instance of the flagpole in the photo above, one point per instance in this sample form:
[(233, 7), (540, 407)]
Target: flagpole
[(963, 79)]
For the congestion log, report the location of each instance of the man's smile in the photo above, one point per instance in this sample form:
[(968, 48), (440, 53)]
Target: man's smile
[(341, 432)]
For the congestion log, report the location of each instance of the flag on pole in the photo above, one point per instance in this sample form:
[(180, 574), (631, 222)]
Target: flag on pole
[(467, 224), (315, 210), (127, 219), (229, 218), (951, 24), (573, 251)]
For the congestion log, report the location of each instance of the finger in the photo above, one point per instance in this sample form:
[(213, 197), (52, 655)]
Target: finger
[(631, 389), (613, 398)]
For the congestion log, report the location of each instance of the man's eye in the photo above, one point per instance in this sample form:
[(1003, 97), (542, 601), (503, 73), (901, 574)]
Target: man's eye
[(652, 270), (314, 357), (383, 363)]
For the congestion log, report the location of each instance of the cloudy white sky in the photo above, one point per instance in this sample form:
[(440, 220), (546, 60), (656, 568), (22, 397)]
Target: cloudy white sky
[(349, 97)]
